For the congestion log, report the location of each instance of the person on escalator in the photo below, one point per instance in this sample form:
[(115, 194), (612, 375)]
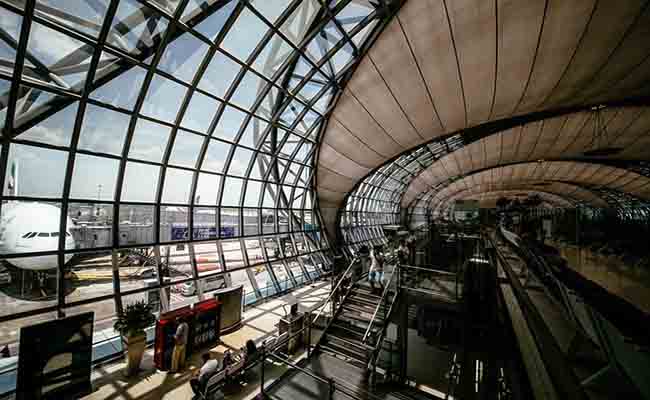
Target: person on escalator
[(376, 274)]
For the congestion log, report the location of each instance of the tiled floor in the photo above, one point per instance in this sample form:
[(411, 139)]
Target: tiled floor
[(259, 324)]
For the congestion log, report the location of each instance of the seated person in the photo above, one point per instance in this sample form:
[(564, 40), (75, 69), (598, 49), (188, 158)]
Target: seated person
[(251, 351), (209, 368), (228, 359)]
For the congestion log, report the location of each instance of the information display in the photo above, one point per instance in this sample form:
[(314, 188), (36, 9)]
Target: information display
[(55, 359), (206, 324)]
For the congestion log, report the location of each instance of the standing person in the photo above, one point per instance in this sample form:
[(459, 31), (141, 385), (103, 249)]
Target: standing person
[(403, 252), (410, 243), (376, 274), (364, 258), (180, 340)]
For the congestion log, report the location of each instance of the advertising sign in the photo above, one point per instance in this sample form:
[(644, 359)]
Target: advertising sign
[(55, 359), (206, 324), (181, 232)]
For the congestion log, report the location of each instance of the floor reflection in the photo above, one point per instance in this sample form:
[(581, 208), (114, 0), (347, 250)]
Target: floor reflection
[(629, 282)]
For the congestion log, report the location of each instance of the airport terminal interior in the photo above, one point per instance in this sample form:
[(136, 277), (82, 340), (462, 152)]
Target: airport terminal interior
[(325, 199)]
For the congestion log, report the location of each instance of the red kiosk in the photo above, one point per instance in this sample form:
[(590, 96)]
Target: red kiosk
[(203, 320)]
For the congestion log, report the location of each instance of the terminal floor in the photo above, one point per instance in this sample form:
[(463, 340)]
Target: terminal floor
[(259, 323)]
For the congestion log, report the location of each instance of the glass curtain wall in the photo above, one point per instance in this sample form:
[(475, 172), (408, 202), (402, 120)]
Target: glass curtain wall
[(160, 150), (376, 200)]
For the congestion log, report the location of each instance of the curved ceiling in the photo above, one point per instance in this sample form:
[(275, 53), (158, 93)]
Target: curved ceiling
[(530, 174), (623, 130), (489, 199), (568, 191), (442, 67)]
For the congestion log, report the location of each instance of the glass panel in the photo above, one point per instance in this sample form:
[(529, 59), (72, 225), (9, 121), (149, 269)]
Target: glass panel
[(207, 258), (136, 27), (90, 17), (263, 280), (248, 90), (187, 147), (138, 269), (11, 329), (11, 23), (298, 274), (175, 262), (205, 223), (213, 24), (94, 177), (309, 266), (183, 56), (252, 197), (229, 123), (157, 103), (241, 278), (229, 222), (177, 186), (173, 223), (219, 75), (140, 182), (244, 35), (207, 189), (56, 130), (106, 341), (122, 91), (287, 246), (281, 275), (250, 221), (39, 45), (231, 192), (35, 171), (272, 248), (232, 254), (103, 130), (30, 284), (93, 224), (268, 221), (254, 251), (215, 157), (136, 224), (239, 162), (211, 284), (200, 112), (149, 141)]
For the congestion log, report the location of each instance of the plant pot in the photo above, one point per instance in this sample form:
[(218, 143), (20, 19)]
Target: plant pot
[(134, 345)]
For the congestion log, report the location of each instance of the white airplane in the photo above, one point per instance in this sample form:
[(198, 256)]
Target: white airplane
[(27, 227)]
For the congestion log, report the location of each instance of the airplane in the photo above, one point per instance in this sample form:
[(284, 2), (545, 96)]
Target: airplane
[(27, 227)]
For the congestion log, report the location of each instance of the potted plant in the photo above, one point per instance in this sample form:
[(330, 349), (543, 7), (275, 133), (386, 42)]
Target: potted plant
[(131, 324)]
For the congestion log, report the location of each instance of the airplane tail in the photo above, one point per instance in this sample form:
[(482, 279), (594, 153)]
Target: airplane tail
[(12, 184)]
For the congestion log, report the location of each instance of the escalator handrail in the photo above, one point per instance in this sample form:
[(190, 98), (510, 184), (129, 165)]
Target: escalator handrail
[(555, 362)]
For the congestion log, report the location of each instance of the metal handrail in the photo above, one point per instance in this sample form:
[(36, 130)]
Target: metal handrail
[(564, 378), (300, 369), (344, 387), (438, 271), (374, 315), (334, 290)]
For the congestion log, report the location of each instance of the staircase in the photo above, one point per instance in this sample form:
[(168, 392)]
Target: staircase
[(353, 335)]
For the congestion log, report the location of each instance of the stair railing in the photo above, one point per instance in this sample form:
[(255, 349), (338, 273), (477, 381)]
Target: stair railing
[(334, 290), (374, 356), (382, 301)]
